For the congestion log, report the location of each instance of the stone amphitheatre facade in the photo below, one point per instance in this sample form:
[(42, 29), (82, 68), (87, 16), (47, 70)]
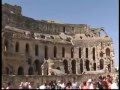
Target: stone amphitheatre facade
[(39, 47)]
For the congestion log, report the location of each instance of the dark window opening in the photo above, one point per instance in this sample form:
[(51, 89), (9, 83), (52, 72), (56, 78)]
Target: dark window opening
[(72, 52), (94, 66), (73, 63), (38, 68), (81, 66), (27, 48), (93, 53), (20, 71), (46, 52), (101, 64), (65, 63), (107, 52), (36, 50), (17, 47), (87, 65), (63, 52), (55, 51), (86, 52), (30, 71), (79, 52), (7, 70), (64, 29)]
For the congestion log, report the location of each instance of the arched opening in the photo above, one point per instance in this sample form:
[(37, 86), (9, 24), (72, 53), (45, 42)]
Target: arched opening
[(86, 52), (36, 50), (94, 66), (7, 70), (79, 52), (55, 51), (30, 71), (38, 68), (107, 52), (87, 65), (63, 52), (81, 66), (72, 52), (6, 45), (109, 67), (64, 29), (101, 64), (17, 47), (65, 63), (27, 48), (73, 63), (93, 53), (46, 52), (20, 71)]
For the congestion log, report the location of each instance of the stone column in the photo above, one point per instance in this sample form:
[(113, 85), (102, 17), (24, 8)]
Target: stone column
[(69, 67)]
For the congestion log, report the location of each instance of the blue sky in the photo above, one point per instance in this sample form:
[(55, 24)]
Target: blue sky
[(96, 13)]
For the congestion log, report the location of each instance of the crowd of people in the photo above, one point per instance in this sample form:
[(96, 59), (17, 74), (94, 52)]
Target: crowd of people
[(103, 82)]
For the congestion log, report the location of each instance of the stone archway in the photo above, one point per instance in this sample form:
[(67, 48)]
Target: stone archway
[(65, 63), (109, 67), (37, 66), (101, 64), (81, 66), (20, 71), (107, 52), (73, 64), (7, 70), (30, 71), (94, 66), (87, 63)]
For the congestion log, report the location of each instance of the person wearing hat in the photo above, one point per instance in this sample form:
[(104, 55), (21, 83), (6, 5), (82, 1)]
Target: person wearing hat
[(89, 84)]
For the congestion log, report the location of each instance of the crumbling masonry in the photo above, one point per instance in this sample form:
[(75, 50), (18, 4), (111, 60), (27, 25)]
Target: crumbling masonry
[(34, 47)]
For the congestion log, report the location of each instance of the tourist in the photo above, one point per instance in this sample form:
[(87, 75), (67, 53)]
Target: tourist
[(84, 85), (114, 85), (74, 84), (68, 85), (89, 84)]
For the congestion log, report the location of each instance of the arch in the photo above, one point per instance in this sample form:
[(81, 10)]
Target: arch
[(37, 67), (93, 53), (81, 66), (64, 29), (72, 52), (94, 66), (17, 47), (7, 70), (30, 71), (46, 52), (55, 51), (36, 50), (101, 64), (79, 52), (6, 45), (63, 52), (65, 63), (27, 48), (20, 71), (73, 63), (109, 67), (107, 52), (87, 65), (86, 52)]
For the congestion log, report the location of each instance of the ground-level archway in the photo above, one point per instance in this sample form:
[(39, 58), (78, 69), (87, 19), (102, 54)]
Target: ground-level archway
[(37, 66), (65, 63), (20, 71), (87, 65), (73, 64), (101, 64), (81, 66), (30, 71)]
